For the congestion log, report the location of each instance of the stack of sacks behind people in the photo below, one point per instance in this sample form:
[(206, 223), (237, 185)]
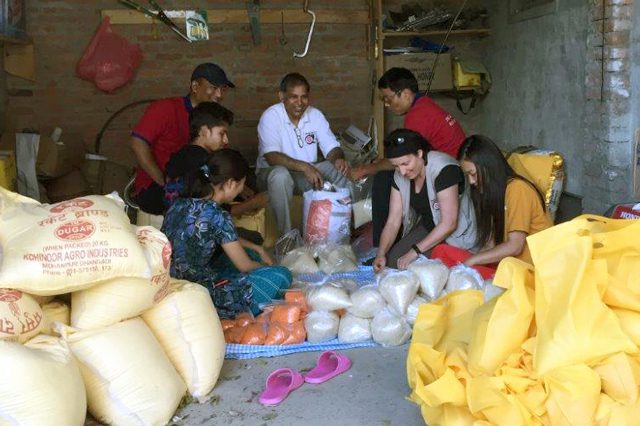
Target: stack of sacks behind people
[(561, 346), (129, 331)]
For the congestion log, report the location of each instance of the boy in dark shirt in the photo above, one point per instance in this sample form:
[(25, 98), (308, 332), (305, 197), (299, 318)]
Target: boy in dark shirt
[(208, 127)]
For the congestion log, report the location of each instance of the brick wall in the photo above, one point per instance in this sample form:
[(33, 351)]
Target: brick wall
[(608, 165), (337, 66)]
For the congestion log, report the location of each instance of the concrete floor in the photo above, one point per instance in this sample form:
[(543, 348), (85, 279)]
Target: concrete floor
[(371, 393)]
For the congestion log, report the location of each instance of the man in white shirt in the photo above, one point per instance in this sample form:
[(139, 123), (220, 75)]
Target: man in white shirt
[(290, 133)]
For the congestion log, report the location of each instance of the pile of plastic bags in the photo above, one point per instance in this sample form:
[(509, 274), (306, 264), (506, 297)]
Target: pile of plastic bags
[(560, 346)]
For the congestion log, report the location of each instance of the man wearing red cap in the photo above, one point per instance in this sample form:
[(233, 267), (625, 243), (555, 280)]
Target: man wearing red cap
[(164, 129)]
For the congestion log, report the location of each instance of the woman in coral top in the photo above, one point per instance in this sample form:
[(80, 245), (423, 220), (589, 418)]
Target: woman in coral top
[(508, 207)]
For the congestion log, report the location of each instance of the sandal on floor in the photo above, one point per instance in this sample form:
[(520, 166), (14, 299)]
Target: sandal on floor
[(329, 365), (279, 384)]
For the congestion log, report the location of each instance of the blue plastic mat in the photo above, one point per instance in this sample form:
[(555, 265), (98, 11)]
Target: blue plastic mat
[(363, 276), (235, 351)]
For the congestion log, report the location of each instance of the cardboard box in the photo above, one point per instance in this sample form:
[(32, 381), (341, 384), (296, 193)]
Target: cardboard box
[(66, 187), (420, 64), (8, 170), (53, 160)]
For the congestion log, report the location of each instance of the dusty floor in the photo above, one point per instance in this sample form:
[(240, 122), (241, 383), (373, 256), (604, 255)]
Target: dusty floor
[(371, 393)]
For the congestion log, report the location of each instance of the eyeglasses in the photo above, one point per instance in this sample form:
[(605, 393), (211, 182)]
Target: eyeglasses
[(299, 136), (387, 99)]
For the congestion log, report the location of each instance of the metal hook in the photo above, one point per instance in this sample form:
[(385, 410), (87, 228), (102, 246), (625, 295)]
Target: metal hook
[(313, 23)]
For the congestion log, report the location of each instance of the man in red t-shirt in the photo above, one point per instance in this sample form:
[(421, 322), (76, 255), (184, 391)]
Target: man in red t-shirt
[(164, 129), (399, 91)]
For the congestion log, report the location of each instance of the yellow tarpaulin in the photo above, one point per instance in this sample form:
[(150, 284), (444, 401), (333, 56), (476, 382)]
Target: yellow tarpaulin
[(559, 347)]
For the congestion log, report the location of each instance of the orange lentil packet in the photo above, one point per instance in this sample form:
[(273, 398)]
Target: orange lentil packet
[(276, 334), (264, 317), (297, 333), (234, 334), (286, 313), (298, 297), (243, 319), (227, 324), (255, 334)]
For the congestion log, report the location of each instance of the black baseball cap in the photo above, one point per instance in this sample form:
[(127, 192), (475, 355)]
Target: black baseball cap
[(212, 73)]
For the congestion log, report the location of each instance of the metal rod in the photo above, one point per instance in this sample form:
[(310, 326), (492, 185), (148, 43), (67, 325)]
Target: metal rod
[(446, 37), (158, 14), (604, 43), (165, 19)]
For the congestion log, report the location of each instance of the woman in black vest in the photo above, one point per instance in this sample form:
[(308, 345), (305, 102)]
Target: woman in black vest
[(426, 199)]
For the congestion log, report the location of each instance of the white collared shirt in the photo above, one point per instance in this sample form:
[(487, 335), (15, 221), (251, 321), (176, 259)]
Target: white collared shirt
[(277, 133)]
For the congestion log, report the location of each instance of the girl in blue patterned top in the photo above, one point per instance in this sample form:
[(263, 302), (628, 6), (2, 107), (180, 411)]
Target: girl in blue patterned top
[(206, 247)]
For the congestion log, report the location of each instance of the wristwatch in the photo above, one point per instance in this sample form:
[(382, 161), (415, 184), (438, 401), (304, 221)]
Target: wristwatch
[(416, 249)]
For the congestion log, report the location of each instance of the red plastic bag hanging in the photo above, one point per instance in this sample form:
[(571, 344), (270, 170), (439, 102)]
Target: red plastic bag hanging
[(110, 61)]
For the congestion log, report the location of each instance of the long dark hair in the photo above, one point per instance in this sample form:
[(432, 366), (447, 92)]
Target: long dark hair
[(221, 166), (493, 175)]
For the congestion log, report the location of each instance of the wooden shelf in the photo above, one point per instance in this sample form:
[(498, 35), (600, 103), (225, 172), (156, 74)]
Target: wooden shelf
[(239, 16), (13, 40), (480, 32)]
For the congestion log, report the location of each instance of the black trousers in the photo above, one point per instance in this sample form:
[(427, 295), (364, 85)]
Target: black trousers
[(151, 199), (380, 195)]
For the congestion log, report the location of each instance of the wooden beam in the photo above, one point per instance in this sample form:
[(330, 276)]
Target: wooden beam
[(239, 16), (14, 40)]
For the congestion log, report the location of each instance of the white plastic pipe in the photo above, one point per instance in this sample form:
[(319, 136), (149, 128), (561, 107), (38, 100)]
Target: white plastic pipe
[(313, 23)]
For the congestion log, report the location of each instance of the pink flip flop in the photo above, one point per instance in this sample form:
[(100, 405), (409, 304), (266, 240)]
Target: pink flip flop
[(279, 384), (329, 365)]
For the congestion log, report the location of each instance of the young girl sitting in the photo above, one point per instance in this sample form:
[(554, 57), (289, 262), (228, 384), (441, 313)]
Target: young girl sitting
[(206, 247), (508, 207)]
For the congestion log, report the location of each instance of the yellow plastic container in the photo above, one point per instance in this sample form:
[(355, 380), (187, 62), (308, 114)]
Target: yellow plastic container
[(463, 80), (8, 170)]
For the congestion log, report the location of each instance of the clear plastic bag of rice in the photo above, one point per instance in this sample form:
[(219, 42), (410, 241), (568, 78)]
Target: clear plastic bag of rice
[(398, 288), (366, 302), (463, 277), (347, 284), (412, 310), (353, 329), (328, 297), (389, 329), (300, 261), (433, 275), (321, 326), (336, 258)]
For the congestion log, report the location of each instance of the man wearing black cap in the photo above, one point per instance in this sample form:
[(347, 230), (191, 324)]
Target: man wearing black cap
[(164, 129)]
